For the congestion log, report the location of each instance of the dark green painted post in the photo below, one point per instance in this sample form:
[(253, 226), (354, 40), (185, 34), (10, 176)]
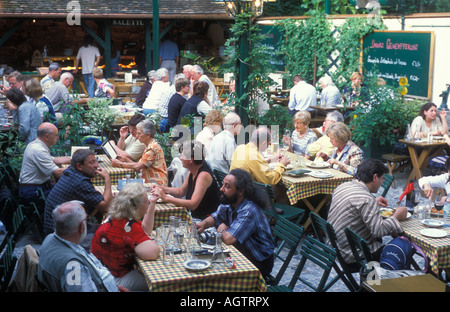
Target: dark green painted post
[(155, 34)]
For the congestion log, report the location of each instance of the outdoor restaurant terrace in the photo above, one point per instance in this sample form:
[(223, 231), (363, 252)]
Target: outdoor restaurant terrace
[(276, 78)]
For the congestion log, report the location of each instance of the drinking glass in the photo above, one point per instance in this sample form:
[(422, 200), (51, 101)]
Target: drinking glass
[(286, 139)]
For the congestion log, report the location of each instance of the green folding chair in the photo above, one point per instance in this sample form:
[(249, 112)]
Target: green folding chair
[(326, 234), (220, 176), (386, 185), (291, 213), (361, 252), (287, 236), (7, 265), (18, 226), (322, 256)]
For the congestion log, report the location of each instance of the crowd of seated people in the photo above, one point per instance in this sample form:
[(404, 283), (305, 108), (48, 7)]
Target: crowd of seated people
[(104, 250)]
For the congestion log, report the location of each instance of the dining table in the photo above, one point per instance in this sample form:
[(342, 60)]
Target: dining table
[(163, 210), (304, 186), (415, 283), (115, 173), (175, 277), (435, 244), (420, 151)]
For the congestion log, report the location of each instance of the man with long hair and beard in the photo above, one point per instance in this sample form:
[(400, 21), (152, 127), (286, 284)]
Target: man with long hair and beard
[(241, 220)]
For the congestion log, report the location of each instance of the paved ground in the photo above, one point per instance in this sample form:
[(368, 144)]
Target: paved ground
[(311, 271)]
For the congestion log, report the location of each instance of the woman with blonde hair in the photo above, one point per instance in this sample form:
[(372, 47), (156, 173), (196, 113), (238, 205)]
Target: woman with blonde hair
[(104, 88), (211, 126), (346, 155), (44, 106), (357, 91), (123, 235)]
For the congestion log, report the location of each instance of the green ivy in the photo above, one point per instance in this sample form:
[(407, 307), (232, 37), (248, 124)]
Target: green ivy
[(258, 82)]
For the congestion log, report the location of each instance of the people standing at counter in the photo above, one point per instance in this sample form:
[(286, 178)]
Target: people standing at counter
[(90, 57)]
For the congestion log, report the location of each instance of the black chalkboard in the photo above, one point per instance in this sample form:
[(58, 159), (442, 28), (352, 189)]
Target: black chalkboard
[(395, 54), (272, 37)]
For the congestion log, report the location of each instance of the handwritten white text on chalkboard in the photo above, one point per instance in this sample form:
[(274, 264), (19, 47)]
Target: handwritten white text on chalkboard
[(386, 60), (394, 45)]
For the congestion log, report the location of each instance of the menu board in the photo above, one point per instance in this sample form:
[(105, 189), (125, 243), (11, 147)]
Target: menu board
[(394, 54)]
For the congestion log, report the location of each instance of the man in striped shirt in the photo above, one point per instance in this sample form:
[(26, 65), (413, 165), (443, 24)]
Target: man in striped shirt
[(354, 206)]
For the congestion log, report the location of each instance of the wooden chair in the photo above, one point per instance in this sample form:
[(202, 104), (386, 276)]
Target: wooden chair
[(123, 92), (318, 253), (325, 233), (287, 235), (396, 163)]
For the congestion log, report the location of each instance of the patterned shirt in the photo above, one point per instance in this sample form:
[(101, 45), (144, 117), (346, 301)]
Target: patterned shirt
[(114, 243), (351, 155), (72, 185), (155, 163), (300, 145), (354, 206), (248, 224), (46, 83), (102, 87)]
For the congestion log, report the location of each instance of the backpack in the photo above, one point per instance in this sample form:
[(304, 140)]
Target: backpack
[(398, 254)]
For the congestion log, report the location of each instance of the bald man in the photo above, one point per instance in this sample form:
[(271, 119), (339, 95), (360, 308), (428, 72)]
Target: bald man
[(38, 165)]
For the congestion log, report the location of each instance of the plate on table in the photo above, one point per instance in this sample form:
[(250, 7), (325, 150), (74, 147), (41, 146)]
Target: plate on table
[(318, 165), (197, 265), (432, 223), (388, 212), (289, 167), (298, 172), (433, 233), (320, 174)]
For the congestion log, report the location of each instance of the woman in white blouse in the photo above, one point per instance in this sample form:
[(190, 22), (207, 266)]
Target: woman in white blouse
[(428, 121), (427, 183)]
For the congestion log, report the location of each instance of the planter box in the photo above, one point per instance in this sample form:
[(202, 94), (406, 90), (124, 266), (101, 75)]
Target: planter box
[(375, 150)]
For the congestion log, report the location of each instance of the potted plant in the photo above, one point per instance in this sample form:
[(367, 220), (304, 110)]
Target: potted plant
[(379, 122), (99, 115)]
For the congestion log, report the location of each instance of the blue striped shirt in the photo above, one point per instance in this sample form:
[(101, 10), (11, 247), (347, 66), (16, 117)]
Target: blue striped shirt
[(249, 225)]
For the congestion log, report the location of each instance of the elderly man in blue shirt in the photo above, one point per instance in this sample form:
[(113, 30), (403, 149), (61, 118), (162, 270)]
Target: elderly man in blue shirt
[(241, 220)]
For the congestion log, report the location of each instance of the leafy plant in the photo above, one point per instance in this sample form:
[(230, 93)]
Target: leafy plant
[(258, 81), (306, 46), (72, 130), (12, 149), (100, 116), (277, 115), (385, 116)]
